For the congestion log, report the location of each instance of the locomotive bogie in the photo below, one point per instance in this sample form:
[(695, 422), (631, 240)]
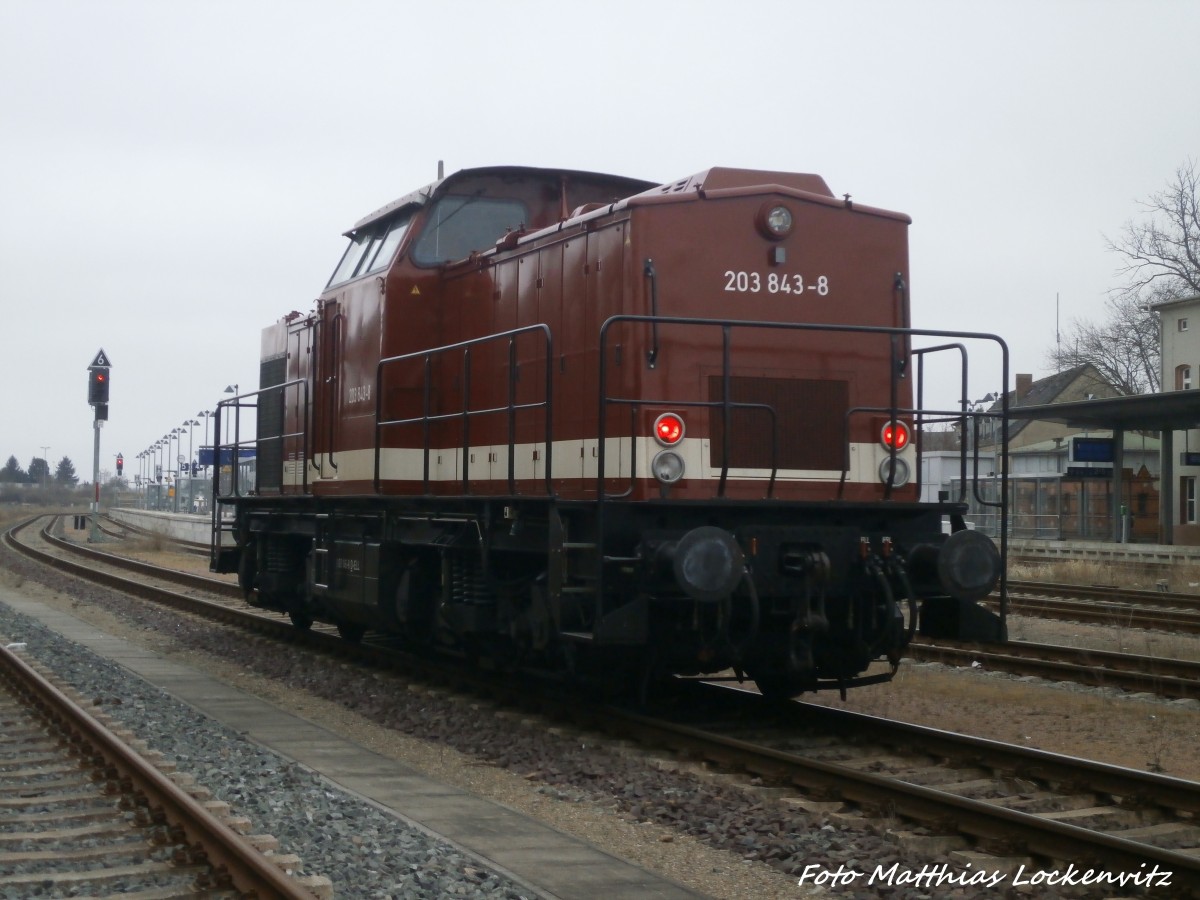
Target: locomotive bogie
[(580, 420)]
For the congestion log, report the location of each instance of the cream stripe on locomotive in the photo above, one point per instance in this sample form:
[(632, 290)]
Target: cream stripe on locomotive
[(571, 459)]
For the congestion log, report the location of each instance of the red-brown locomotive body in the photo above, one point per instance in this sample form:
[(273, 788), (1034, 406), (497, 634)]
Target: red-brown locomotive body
[(597, 423)]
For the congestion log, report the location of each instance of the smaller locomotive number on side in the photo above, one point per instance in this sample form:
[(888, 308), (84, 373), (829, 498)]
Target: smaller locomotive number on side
[(358, 393), (773, 283)]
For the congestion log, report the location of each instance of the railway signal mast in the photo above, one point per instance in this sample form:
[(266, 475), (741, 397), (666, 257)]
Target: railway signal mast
[(98, 381)]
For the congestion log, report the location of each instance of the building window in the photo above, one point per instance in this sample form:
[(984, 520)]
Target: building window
[(1183, 324), (1183, 378), (1187, 494)]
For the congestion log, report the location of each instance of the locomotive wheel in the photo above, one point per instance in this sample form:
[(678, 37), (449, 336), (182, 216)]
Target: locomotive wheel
[(351, 632), (301, 620)]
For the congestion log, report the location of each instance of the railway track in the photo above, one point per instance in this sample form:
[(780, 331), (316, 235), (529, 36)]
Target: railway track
[(1105, 605), (995, 797), (1035, 809), (1102, 593), (87, 815), (1164, 677)]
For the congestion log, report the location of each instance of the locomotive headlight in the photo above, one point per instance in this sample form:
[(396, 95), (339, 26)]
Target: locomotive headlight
[(900, 474), (775, 221), (667, 466)]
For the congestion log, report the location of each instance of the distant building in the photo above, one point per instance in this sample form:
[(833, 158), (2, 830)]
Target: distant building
[(1080, 383), (1179, 343), (1059, 486)]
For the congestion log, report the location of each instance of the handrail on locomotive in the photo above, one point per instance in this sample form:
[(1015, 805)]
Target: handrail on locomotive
[(220, 526), (510, 409)]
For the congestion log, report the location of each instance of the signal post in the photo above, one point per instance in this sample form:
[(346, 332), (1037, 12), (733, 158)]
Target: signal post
[(98, 381)]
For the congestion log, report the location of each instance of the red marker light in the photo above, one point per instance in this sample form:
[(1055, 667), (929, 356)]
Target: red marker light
[(894, 434), (668, 429)]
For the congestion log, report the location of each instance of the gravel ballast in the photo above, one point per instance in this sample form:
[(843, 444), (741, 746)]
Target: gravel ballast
[(365, 852)]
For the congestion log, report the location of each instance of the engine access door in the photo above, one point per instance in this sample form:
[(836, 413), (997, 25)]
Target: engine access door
[(326, 364)]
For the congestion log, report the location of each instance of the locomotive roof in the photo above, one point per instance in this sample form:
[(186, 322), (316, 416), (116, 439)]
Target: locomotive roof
[(716, 181), (422, 195)]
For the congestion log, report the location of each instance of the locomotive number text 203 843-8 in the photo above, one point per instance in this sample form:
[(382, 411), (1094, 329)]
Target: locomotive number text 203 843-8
[(774, 283)]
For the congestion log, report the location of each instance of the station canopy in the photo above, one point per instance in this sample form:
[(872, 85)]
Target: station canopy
[(1169, 411)]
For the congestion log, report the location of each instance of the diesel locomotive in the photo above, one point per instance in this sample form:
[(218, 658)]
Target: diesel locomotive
[(611, 428)]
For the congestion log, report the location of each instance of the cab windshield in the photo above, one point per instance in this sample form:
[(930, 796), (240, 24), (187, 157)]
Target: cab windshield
[(458, 225)]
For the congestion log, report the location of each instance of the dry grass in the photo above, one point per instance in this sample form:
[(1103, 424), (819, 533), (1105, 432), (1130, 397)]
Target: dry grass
[(1179, 578), (11, 514), (147, 543), (1139, 734)]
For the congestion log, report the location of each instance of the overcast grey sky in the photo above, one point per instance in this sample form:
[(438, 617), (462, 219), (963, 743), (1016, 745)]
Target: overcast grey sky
[(176, 176)]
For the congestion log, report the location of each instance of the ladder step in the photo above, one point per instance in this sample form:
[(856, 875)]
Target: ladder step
[(578, 545), (579, 589)]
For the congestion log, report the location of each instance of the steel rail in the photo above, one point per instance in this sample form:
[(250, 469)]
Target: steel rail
[(1106, 593), (174, 576), (979, 818), (237, 863), (1173, 678), (1114, 614)]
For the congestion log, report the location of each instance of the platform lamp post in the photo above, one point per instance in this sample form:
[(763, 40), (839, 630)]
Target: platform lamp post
[(237, 445), (232, 389), (153, 473), (165, 465), (157, 473), (189, 424), (176, 434), (161, 474), (205, 414), (167, 439)]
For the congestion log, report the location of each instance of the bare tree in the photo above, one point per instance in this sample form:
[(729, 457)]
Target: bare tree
[(1123, 348), (1162, 250), (1161, 255)]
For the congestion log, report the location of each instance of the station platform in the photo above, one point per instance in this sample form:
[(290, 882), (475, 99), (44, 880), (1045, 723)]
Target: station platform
[(195, 529), (1104, 552)]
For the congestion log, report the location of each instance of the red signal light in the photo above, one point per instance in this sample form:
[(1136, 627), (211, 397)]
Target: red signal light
[(97, 386), (668, 429), (894, 434)]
